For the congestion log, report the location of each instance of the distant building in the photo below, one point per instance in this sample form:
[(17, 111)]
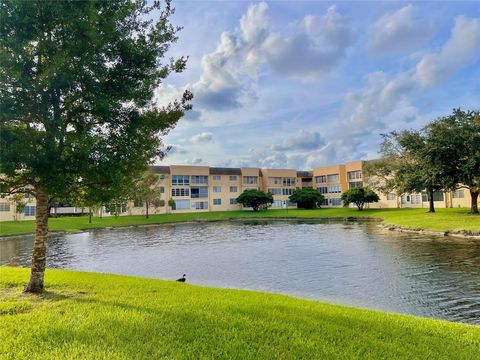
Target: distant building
[(204, 188)]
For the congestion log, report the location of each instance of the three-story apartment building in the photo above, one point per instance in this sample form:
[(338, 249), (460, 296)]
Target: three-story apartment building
[(204, 188)]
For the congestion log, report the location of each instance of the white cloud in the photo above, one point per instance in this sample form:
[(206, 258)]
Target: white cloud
[(229, 73), (462, 47), (398, 31), (303, 140), (371, 108), (202, 138)]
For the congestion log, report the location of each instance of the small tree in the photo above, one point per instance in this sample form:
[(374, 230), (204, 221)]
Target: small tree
[(145, 190), (20, 204), (359, 196), (171, 203), (255, 198), (307, 198)]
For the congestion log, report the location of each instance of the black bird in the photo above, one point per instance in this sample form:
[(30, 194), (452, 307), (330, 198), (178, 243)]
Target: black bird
[(182, 279)]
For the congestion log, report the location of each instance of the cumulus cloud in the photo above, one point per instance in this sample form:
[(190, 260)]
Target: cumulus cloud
[(312, 48), (203, 137), (398, 31), (315, 47), (303, 140), (371, 108), (462, 47)]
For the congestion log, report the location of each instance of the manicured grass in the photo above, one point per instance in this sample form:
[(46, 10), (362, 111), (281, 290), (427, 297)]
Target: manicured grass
[(455, 220), (99, 316)]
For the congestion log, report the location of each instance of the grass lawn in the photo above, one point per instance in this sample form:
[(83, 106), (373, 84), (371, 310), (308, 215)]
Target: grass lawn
[(99, 316), (455, 220)]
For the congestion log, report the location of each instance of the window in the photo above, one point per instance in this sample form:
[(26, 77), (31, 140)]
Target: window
[(322, 189), (416, 199), (391, 196), (233, 202), (199, 192), (437, 196), (457, 194), (277, 203), (335, 202), (181, 205), (217, 189), (199, 179), (275, 191), (354, 175), (232, 177), (217, 201), (333, 178), (334, 189), (287, 191), (180, 192), (199, 205), (274, 180), (29, 211), (4, 207), (250, 180), (161, 189), (289, 181), (233, 189), (217, 177), (324, 202), (355, 184), (138, 203), (320, 179), (180, 180)]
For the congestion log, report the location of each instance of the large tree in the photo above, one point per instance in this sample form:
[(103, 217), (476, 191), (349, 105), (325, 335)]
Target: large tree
[(77, 110), (409, 164), (359, 196), (255, 198), (455, 141), (307, 198)]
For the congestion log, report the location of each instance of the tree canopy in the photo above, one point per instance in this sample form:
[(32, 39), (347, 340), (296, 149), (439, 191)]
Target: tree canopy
[(255, 198), (443, 155), (359, 196), (307, 198), (77, 107)]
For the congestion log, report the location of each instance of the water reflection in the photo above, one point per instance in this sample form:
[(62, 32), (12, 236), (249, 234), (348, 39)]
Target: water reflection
[(344, 262)]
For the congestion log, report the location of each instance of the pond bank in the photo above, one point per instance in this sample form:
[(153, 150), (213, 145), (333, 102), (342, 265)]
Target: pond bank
[(451, 222), (91, 316)]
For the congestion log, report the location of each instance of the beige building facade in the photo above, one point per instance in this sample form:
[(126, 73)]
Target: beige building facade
[(204, 189)]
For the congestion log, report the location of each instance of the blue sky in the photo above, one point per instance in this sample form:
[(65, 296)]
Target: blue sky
[(302, 84)]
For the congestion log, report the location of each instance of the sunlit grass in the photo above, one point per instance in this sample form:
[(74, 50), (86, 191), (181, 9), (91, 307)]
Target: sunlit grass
[(98, 316), (455, 220)]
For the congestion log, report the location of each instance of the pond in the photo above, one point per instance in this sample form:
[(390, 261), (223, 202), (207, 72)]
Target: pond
[(358, 264)]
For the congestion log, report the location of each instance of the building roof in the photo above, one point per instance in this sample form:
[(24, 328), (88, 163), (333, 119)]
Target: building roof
[(304, 174), (160, 169), (225, 171)]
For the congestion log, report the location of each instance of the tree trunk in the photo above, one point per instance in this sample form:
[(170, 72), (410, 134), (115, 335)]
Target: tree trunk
[(146, 209), (40, 245), (430, 201), (89, 215), (474, 194)]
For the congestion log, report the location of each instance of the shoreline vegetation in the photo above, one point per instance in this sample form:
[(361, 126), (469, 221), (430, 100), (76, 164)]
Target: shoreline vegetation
[(93, 316), (452, 222)]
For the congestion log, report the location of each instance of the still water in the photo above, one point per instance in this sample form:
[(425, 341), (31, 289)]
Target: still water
[(349, 263)]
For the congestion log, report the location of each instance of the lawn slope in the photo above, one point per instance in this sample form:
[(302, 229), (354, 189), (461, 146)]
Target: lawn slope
[(98, 316), (453, 220)]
